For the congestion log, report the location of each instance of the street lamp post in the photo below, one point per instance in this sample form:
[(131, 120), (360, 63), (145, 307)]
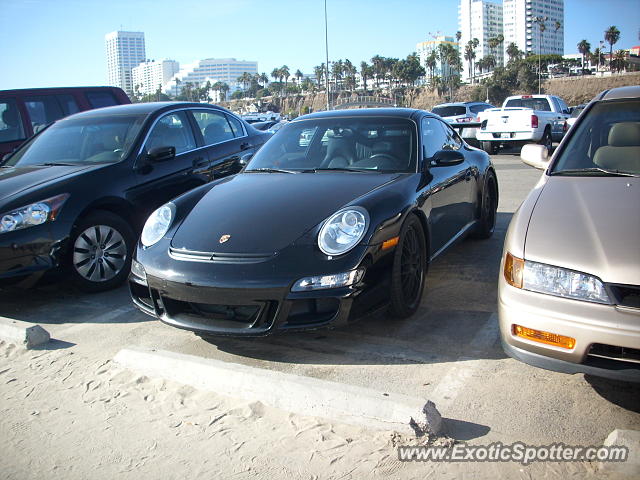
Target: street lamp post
[(541, 28), (326, 49)]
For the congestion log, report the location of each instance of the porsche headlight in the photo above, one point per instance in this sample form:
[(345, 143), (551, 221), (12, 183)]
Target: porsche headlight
[(561, 282), (31, 215), (157, 225), (343, 230)]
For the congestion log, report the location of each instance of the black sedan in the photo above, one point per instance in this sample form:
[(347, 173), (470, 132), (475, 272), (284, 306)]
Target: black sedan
[(77, 194), (337, 215)]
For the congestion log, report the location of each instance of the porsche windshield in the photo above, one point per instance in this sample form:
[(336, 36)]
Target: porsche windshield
[(82, 140), (358, 144), (606, 141)]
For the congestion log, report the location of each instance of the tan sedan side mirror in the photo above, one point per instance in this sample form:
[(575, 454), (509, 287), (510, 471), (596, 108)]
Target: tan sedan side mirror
[(535, 155)]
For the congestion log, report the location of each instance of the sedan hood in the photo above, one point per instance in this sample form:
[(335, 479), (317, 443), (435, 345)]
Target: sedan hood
[(588, 224), (15, 180), (265, 212)]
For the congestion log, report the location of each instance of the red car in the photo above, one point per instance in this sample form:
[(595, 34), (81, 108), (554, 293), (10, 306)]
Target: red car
[(26, 111)]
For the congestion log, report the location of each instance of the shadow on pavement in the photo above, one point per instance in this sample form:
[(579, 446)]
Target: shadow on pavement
[(623, 394), (465, 431)]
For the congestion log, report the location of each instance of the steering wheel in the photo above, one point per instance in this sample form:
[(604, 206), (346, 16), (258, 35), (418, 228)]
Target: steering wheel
[(385, 155)]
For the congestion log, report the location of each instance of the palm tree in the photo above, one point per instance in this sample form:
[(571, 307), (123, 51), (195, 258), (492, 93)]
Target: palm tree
[(364, 73), (584, 48), (378, 68), (458, 36), (299, 76), (432, 62), (490, 62), (620, 60), (350, 72), (284, 71), (319, 73), (611, 35), (513, 52), (337, 69), (470, 55), (275, 73), (263, 79)]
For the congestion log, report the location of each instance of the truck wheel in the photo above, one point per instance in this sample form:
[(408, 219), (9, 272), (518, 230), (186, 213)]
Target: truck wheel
[(547, 141), (491, 148)]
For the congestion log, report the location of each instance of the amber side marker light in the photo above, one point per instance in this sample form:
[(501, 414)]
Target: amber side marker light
[(543, 337), (513, 269), (392, 242)]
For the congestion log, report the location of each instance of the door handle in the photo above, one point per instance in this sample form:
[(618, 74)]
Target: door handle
[(468, 175), (244, 146)]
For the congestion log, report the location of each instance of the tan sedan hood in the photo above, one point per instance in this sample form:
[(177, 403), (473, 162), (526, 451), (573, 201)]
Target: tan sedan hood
[(589, 224)]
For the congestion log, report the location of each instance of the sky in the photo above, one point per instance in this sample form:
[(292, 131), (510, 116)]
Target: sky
[(61, 42)]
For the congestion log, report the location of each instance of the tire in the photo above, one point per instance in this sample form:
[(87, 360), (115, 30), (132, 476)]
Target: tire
[(100, 252), (547, 141), (487, 222), (409, 269), (491, 148)]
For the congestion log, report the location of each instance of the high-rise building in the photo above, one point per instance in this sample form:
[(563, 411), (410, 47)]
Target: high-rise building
[(480, 19), (522, 28), (424, 50), (125, 50), (226, 70), (149, 76)]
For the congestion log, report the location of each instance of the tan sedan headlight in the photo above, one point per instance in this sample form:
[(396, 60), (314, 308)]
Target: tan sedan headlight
[(551, 280)]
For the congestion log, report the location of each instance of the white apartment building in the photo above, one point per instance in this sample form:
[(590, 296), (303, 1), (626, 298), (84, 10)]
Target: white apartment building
[(151, 75), (521, 28), (225, 70), (424, 49), (483, 20), (125, 50)]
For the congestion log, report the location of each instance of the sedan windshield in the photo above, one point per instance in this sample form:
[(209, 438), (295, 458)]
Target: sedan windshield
[(606, 141), (357, 144), (83, 140)]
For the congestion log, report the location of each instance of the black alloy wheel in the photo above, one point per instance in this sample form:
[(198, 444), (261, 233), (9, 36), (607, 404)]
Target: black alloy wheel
[(409, 269)]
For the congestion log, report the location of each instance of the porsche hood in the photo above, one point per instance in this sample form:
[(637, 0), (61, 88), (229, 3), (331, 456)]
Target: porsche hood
[(588, 224), (262, 213)]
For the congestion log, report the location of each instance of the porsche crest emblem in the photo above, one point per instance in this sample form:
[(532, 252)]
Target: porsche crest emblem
[(224, 238)]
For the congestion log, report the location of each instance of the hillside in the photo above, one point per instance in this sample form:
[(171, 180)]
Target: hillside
[(574, 90)]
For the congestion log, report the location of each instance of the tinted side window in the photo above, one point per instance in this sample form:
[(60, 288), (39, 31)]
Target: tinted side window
[(101, 99), (172, 130), (43, 109), (10, 121), (434, 137), (213, 125), (479, 108), (236, 126), (453, 140), (68, 103)]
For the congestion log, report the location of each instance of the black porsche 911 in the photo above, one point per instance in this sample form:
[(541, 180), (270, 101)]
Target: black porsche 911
[(336, 216)]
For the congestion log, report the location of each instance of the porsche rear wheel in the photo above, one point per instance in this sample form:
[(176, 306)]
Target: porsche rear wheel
[(409, 269)]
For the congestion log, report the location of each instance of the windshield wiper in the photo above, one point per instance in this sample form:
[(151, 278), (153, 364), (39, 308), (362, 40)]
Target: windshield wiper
[(616, 173), (340, 169), (271, 170), (56, 164)]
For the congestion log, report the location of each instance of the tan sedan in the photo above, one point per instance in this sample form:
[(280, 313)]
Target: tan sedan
[(569, 289)]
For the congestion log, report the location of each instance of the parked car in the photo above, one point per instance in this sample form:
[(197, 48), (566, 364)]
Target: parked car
[(76, 194), (463, 112), (523, 119), (318, 229), (26, 111), (575, 113), (569, 293)]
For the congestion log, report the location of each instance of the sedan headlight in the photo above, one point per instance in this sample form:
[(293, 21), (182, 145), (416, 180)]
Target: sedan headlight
[(561, 282), (34, 214), (157, 225), (343, 230)]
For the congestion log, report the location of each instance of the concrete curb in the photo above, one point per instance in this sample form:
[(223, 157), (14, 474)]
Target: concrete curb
[(23, 334), (631, 440), (298, 394)]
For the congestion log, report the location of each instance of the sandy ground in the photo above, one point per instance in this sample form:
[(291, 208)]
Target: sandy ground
[(66, 416)]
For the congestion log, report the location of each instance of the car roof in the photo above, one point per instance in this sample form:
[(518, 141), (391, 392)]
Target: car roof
[(143, 108), (363, 112), (22, 91), (621, 92), (460, 104)]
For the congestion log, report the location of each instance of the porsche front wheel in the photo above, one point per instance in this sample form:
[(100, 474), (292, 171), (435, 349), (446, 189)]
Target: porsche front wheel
[(409, 269)]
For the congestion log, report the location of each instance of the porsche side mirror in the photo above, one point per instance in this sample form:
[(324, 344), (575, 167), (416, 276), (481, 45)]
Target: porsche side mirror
[(446, 158), (535, 155), (244, 159), (161, 154)]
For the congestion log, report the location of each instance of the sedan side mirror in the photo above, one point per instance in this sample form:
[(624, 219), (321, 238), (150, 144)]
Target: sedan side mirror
[(535, 155), (446, 158), (161, 154)]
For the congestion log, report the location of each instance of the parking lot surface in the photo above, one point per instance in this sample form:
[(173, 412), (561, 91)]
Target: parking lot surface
[(449, 352)]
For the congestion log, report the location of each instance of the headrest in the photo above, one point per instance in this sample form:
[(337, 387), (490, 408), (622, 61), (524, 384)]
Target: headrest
[(10, 117), (625, 134)]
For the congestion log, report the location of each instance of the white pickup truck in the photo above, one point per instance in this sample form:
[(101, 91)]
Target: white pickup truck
[(523, 119)]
